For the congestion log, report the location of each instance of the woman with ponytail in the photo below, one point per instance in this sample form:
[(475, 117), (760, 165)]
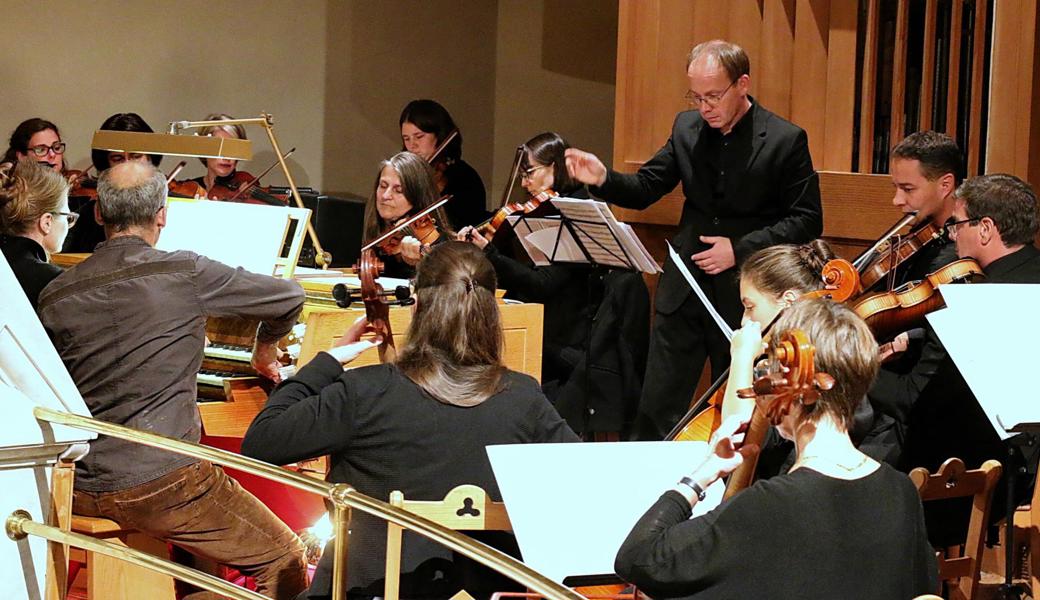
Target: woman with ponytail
[(34, 220), (771, 280), (419, 425)]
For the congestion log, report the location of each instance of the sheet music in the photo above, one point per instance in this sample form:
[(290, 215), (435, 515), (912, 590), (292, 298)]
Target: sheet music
[(597, 231), (533, 233), (990, 339), (723, 326)]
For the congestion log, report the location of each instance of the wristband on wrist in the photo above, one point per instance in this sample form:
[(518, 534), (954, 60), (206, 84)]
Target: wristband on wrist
[(693, 485)]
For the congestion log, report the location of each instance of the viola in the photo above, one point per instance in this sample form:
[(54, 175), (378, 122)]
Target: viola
[(841, 283), (890, 313), (241, 187), (792, 378), (893, 250)]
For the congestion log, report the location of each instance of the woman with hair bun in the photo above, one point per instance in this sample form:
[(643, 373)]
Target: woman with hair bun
[(770, 281), (34, 220), (419, 425)]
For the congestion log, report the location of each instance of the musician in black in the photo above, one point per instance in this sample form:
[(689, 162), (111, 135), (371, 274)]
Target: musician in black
[(749, 183)]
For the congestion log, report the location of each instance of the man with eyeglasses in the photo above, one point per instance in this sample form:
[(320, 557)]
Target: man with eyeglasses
[(749, 183), (129, 324), (995, 220)]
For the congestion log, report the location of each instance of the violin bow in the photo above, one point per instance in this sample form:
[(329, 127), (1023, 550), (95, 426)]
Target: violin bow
[(243, 189), (454, 134), (176, 171), (429, 209)]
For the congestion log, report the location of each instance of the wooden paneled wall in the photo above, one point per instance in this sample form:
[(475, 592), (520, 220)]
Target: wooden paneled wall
[(804, 68)]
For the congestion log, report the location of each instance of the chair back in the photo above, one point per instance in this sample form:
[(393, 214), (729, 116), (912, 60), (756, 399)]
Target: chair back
[(464, 508), (953, 480)]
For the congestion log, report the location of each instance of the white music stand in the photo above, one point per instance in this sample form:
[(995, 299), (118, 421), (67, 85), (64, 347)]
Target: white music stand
[(569, 510), (31, 374), (250, 236)]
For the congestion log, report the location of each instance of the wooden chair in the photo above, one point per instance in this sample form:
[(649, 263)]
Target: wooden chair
[(464, 508), (113, 579), (954, 481), (1027, 528)]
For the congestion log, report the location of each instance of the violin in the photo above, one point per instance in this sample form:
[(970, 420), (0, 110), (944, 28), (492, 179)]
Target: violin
[(439, 167), (792, 378), (489, 228), (840, 283), (891, 250), (890, 313), (240, 182), (241, 187), (81, 185), (422, 226)]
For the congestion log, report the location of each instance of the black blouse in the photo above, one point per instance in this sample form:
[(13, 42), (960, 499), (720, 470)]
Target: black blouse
[(28, 260)]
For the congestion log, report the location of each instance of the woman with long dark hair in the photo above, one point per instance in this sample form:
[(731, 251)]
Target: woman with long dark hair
[(425, 124), (39, 140), (419, 425), (404, 186)]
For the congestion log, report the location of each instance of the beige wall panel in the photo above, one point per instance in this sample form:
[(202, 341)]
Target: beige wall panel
[(382, 55), (1012, 88), (773, 87), (841, 88), (637, 80), (76, 63), (809, 85), (745, 28), (555, 69)]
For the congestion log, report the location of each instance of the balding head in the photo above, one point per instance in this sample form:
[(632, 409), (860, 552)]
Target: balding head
[(130, 194)]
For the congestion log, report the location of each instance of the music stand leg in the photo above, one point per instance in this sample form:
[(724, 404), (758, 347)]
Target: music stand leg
[(1008, 590)]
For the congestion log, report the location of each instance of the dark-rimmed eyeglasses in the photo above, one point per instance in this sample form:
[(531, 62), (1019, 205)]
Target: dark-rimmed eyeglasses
[(43, 149), (528, 173), (712, 100), (952, 226), (71, 217)]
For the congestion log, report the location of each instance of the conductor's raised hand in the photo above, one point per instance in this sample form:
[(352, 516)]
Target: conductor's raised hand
[(350, 346), (585, 167)]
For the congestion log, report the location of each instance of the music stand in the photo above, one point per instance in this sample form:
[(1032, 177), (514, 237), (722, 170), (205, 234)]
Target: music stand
[(995, 378)]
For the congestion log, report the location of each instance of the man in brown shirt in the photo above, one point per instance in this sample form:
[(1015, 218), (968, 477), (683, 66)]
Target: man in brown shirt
[(129, 324)]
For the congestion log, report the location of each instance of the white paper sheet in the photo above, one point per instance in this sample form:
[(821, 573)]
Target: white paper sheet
[(239, 235), (572, 505), (987, 331)]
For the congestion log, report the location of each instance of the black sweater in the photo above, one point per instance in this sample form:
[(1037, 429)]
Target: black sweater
[(28, 261), (801, 536), (383, 433)]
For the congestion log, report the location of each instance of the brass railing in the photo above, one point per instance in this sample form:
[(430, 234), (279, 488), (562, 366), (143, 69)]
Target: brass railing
[(343, 496)]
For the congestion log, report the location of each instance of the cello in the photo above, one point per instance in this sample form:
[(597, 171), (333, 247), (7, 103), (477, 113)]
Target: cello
[(841, 282), (791, 377)]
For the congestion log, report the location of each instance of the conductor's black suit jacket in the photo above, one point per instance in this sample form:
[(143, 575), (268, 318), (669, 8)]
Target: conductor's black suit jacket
[(773, 198)]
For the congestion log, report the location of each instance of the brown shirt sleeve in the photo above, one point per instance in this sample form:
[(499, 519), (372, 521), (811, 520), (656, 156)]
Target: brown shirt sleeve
[(234, 292)]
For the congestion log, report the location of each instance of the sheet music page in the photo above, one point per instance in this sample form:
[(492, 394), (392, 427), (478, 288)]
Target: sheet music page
[(566, 519), (238, 235), (538, 236), (597, 230), (990, 339)]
